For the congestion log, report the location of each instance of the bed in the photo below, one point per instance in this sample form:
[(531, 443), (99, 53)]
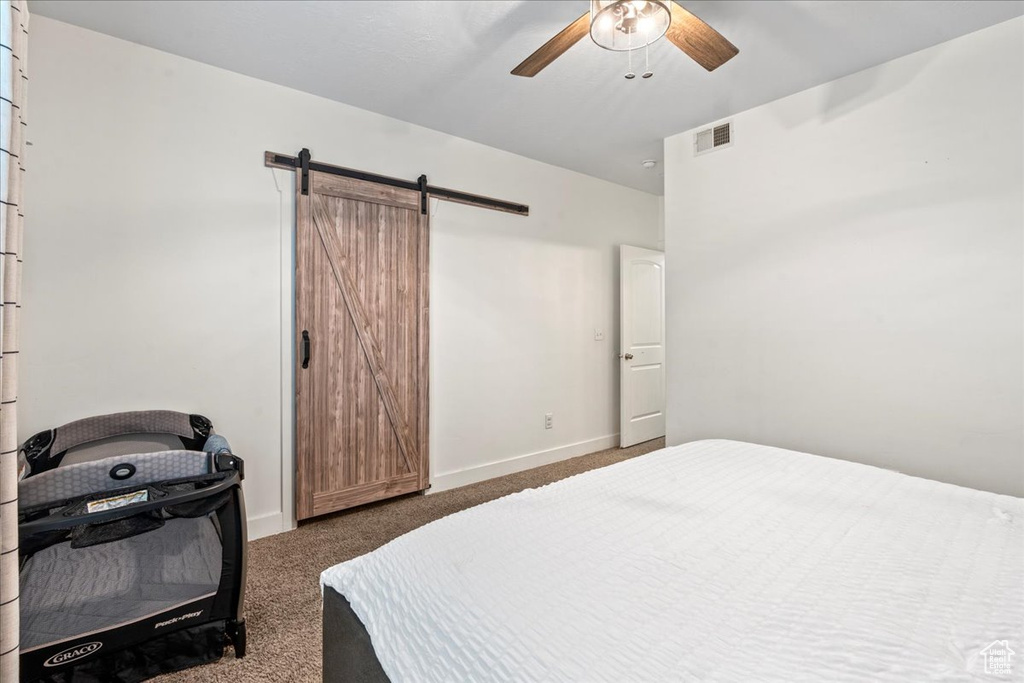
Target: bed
[(714, 560)]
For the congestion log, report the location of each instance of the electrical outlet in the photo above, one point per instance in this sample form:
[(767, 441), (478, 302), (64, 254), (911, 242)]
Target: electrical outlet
[(549, 420), (598, 335)]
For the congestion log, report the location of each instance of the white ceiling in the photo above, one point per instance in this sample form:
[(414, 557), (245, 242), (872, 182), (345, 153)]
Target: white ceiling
[(445, 65)]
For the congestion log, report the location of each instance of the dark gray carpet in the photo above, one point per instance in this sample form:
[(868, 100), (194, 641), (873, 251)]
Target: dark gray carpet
[(283, 590)]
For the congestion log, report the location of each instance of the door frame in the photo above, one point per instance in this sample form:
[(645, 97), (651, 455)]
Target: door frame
[(284, 183)]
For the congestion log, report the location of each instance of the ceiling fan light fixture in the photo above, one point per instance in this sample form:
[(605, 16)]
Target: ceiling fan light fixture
[(623, 25)]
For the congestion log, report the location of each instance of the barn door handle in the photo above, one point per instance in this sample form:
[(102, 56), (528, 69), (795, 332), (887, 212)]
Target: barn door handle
[(305, 349)]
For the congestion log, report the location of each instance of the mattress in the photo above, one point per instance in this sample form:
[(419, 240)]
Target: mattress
[(67, 592), (711, 561)]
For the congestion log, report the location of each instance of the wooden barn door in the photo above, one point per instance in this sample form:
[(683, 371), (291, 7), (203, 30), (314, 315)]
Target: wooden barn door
[(362, 339)]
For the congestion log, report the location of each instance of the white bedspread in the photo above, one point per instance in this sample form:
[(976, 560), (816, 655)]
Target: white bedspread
[(712, 561)]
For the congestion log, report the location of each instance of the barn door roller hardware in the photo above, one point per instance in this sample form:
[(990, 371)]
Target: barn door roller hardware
[(304, 164)]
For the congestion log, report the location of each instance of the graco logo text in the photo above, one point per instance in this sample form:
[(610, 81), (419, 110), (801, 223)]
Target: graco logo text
[(73, 653), (175, 620)]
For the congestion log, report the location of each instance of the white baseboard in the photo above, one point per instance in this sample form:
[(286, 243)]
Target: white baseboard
[(274, 522), (265, 525), (472, 475)]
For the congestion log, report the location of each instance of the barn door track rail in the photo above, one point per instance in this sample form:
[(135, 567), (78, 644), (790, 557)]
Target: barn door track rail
[(303, 164)]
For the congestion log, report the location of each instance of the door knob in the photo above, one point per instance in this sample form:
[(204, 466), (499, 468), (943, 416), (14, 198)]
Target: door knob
[(628, 356)]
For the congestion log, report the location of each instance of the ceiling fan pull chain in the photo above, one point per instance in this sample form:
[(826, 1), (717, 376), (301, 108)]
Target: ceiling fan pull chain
[(629, 54), (647, 61)]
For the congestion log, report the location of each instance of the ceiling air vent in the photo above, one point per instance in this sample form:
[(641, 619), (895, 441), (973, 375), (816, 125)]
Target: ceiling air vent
[(712, 138)]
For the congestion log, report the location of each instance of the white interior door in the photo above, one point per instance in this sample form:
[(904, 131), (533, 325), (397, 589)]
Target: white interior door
[(642, 339)]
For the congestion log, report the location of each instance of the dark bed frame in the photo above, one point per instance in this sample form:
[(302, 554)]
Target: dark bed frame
[(348, 653)]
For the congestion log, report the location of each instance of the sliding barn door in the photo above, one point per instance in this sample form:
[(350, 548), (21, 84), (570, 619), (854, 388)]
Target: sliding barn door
[(362, 370)]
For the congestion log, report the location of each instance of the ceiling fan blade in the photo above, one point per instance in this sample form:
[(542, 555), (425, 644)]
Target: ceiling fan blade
[(704, 44), (553, 49)]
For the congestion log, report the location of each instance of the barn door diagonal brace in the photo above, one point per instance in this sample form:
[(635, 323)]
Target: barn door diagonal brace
[(303, 164)]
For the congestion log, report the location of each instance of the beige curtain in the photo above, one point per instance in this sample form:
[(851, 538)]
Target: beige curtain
[(13, 74)]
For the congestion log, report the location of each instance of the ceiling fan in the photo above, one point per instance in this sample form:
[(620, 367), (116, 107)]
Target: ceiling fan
[(628, 25)]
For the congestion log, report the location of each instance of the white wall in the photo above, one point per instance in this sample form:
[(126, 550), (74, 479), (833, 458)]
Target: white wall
[(846, 279), (158, 264)]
